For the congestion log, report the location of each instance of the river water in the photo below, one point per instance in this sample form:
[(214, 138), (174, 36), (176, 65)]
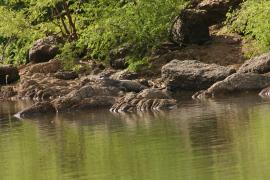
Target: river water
[(211, 140)]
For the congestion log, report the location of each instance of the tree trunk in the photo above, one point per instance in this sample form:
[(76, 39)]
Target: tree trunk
[(71, 23)]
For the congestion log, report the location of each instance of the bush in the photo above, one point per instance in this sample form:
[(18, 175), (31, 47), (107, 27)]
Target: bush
[(96, 26), (143, 24), (253, 22)]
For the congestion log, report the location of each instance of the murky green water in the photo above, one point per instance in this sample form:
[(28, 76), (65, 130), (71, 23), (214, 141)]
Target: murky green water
[(227, 139)]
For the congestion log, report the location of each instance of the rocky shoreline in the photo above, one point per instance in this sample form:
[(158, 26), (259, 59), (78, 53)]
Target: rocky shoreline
[(54, 90), (203, 63)]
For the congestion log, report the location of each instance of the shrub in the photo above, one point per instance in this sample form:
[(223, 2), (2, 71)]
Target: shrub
[(92, 26), (253, 22), (143, 24)]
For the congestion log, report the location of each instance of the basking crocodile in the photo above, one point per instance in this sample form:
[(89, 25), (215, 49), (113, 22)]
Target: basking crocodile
[(147, 100)]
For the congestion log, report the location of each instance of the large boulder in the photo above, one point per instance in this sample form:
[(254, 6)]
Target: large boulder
[(8, 74), (193, 75), (259, 64), (237, 83), (52, 66), (190, 28), (32, 90), (91, 103), (87, 96), (216, 10), (96, 93), (147, 100), (44, 86), (37, 109), (43, 50)]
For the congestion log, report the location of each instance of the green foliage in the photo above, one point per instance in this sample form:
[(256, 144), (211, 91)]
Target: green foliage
[(253, 21), (15, 35), (24, 21), (137, 64), (94, 27), (143, 24), (69, 56)]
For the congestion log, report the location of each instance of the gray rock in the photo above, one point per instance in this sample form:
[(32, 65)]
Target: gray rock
[(43, 50), (52, 66), (44, 94), (94, 103), (237, 83), (216, 10), (189, 28), (131, 86), (67, 75), (124, 75), (37, 109), (259, 64), (124, 85), (87, 96), (8, 74), (193, 75)]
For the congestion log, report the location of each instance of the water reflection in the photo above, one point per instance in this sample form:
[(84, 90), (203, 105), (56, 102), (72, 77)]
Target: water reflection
[(226, 139)]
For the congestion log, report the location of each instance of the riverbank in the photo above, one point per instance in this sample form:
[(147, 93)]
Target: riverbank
[(55, 90), (203, 65)]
